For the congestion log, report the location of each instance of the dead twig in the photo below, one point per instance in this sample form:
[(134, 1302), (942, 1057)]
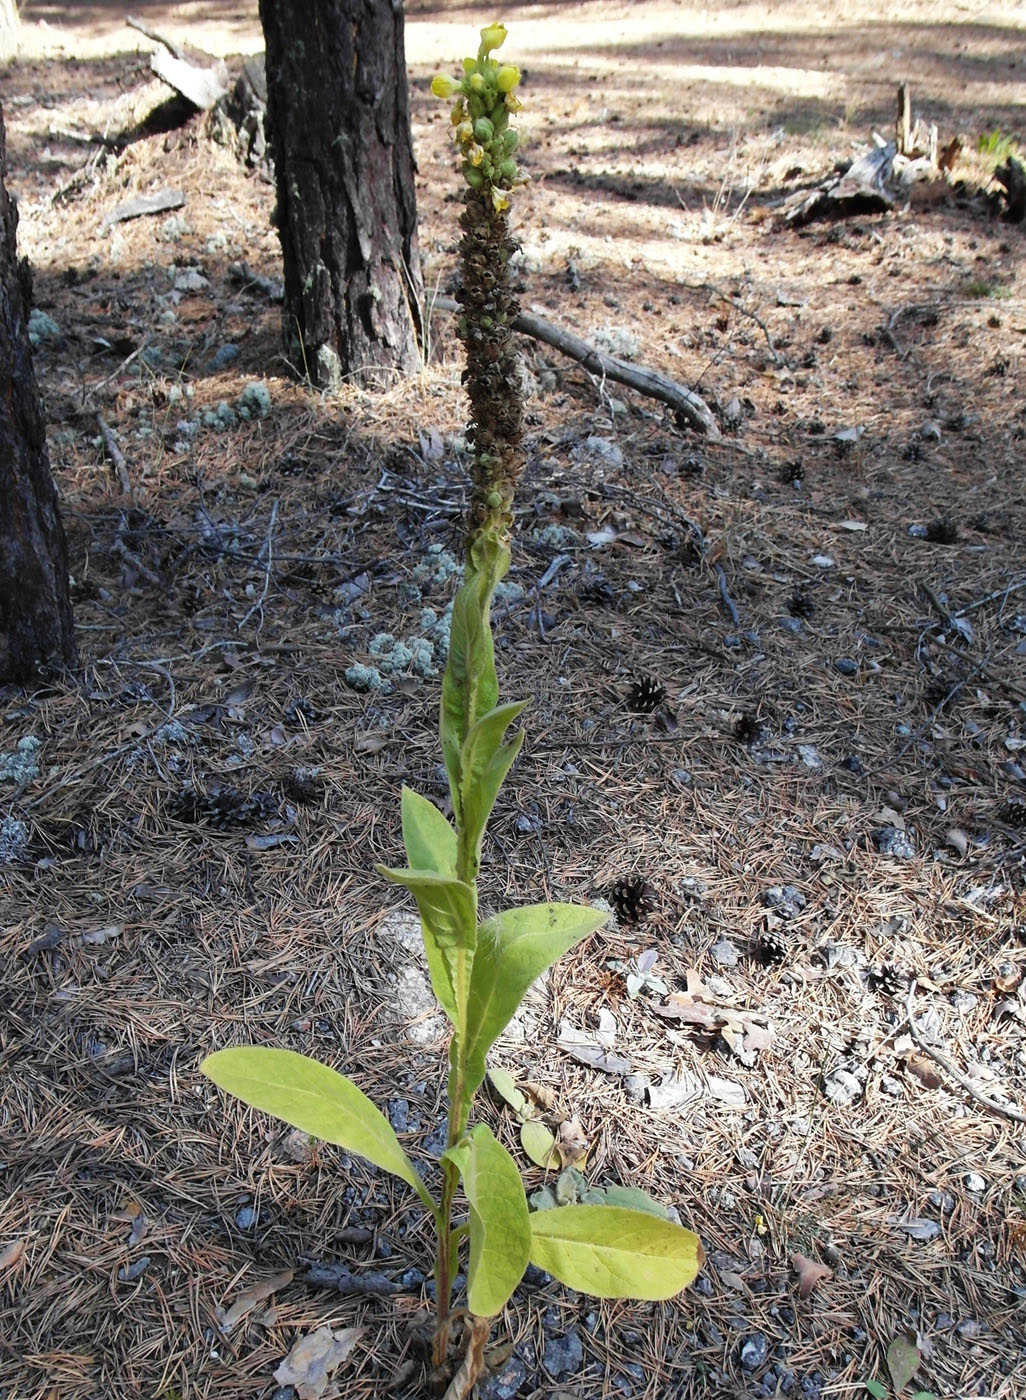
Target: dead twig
[(115, 454), (952, 1070), (686, 404), (268, 548)]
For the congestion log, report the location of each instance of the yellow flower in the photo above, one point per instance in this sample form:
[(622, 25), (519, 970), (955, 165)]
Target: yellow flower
[(500, 201), (508, 77), (442, 85), (474, 153), (493, 37), (513, 104), (464, 132)]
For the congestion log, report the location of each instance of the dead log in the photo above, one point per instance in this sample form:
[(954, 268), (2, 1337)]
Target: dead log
[(688, 407), (203, 87)]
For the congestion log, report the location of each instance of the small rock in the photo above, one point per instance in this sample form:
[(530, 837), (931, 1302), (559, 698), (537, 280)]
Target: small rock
[(682, 777), (246, 1218), (824, 561), (930, 431), (787, 901), (563, 1355), (603, 451), (790, 624), (890, 1085), (846, 665), (724, 953), (754, 1351), (941, 1200), (809, 755), (892, 841), (974, 1183), (399, 1114), (504, 1384), (963, 1001), (225, 356), (841, 1087)]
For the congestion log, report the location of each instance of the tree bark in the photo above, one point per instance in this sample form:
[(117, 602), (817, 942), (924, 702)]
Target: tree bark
[(36, 629), (338, 112)]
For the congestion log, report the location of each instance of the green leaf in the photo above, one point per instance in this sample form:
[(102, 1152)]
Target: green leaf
[(470, 687), (448, 913), (484, 762), (903, 1358), (539, 1143), (505, 1086), (610, 1252), (635, 1199), (500, 1227), (514, 948), (876, 1389), (429, 839), (315, 1099)]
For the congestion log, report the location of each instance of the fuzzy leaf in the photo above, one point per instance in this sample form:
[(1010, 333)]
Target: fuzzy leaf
[(470, 687), (448, 916), (429, 839), (610, 1252), (484, 762), (500, 1227), (877, 1389), (317, 1100), (514, 948)]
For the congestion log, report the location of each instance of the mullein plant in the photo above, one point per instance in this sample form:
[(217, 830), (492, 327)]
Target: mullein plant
[(480, 968)]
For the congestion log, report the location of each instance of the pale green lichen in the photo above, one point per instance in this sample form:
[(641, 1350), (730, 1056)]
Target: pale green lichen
[(21, 765)]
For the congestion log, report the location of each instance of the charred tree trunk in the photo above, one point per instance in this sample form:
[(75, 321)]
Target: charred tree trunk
[(338, 112), (36, 632)]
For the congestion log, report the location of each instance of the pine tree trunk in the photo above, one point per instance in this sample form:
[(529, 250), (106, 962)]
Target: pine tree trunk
[(10, 29), (36, 630), (338, 112)]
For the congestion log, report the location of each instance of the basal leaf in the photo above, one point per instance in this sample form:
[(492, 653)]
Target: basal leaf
[(633, 1198), (429, 839), (505, 1086), (611, 1252), (448, 912), (500, 1227), (317, 1100), (877, 1389), (513, 948), (539, 1142)]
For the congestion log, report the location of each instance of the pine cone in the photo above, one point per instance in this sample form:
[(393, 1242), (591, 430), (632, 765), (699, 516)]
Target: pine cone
[(646, 695), (631, 898), (887, 980), (749, 729), (1013, 812), (770, 948), (801, 605)]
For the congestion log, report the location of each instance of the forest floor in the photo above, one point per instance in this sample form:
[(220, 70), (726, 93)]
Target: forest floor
[(828, 810)]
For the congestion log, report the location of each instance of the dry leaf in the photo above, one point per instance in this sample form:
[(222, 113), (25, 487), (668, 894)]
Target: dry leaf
[(903, 1358), (543, 1094), (758, 1037), (572, 1145), (268, 843), (925, 1071), (809, 1273), (249, 1298), (370, 743), (10, 1256), (697, 990), (957, 840), (311, 1361)]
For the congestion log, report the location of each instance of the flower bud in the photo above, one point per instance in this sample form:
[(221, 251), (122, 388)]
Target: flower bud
[(458, 112), (477, 82), (442, 85), (510, 141), (508, 170), (493, 37), (473, 177), (469, 66), (483, 130), (508, 77)]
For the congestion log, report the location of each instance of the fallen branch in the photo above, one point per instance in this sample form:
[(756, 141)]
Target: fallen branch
[(686, 404), (115, 454), (951, 1069)]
